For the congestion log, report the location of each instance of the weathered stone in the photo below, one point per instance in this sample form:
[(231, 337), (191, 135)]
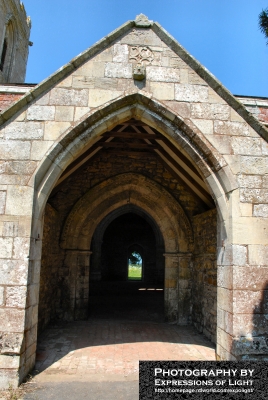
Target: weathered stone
[(254, 165), (250, 181), (64, 113), (162, 92), (254, 196), (69, 97), (39, 149), (24, 130), (250, 302), (118, 70), (16, 296), (5, 247), (11, 343), (231, 128), (41, 113), (247, 146), (2, 201), (161, 74), (258, 255), (1, 296), (53, 130), (19, 200), (210, 111), (260, 210), (98, 97), (15, 150), (191, 93), (120, 53), (12, 320)]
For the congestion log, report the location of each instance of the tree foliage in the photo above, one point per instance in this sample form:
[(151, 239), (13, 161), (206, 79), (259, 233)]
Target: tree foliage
[(135, 258), (263, 23)]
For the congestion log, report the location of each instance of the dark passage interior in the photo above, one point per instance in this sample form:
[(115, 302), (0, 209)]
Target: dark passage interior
[(118, 293)]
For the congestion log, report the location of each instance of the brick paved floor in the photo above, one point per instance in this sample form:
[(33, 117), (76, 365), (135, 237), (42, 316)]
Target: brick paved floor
[(97, 348)]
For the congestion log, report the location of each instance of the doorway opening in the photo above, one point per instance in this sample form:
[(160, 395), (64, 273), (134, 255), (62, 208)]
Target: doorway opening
[(135, 263), (133, 289)]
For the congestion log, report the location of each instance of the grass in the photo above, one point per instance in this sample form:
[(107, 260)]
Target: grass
[(134, 272)]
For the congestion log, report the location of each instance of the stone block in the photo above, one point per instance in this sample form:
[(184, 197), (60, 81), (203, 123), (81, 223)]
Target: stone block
[(11, 343), (250, 181), (9, 377), (258, 255), (118, 70), (250, 302), (261, 210), (231, 128), (64, 113), (19, 200), (98, 97), (181, 109), (21, 248), (120, 53), (1, 296), (15, 150), (13, 272), (69, 97), (225, 340), (66, 83), (254, 165), (12, 320), (33, 295), (6, 247), (31, 317), (141, 36), (39, 148), (162, 74), (213, 97), (221, 143), (31, 336), (162, 91), (176, 62), (9, 362), (254, 196), (80, 112), (250, 277), (245, 209), (16, 296), (53, 130), (24, 130), (83, 82), (2, 201), (225, 277), (43, 100), (249, 325), (264, 147), (210, 111), (225, 321), (41, 113), (205, 125), (191, 93), (246, 145), (91, 68), (225, 299), (257, 234)]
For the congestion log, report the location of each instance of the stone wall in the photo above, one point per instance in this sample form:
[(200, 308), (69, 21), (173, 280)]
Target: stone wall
[(204, 287), (15, 29)]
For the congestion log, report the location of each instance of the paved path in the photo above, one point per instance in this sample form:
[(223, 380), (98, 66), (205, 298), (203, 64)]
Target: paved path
[(99, 358)]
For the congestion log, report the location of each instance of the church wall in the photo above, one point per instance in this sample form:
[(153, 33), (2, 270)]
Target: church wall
[(228, 145), (204, 290)]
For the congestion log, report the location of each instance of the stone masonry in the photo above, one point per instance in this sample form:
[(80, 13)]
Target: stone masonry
[(15, 29), (205, 193)]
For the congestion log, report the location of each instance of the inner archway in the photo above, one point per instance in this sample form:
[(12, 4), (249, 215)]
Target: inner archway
[(112, 292)]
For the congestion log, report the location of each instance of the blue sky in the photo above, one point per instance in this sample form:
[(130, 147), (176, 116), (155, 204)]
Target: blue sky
[(221, 34)]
